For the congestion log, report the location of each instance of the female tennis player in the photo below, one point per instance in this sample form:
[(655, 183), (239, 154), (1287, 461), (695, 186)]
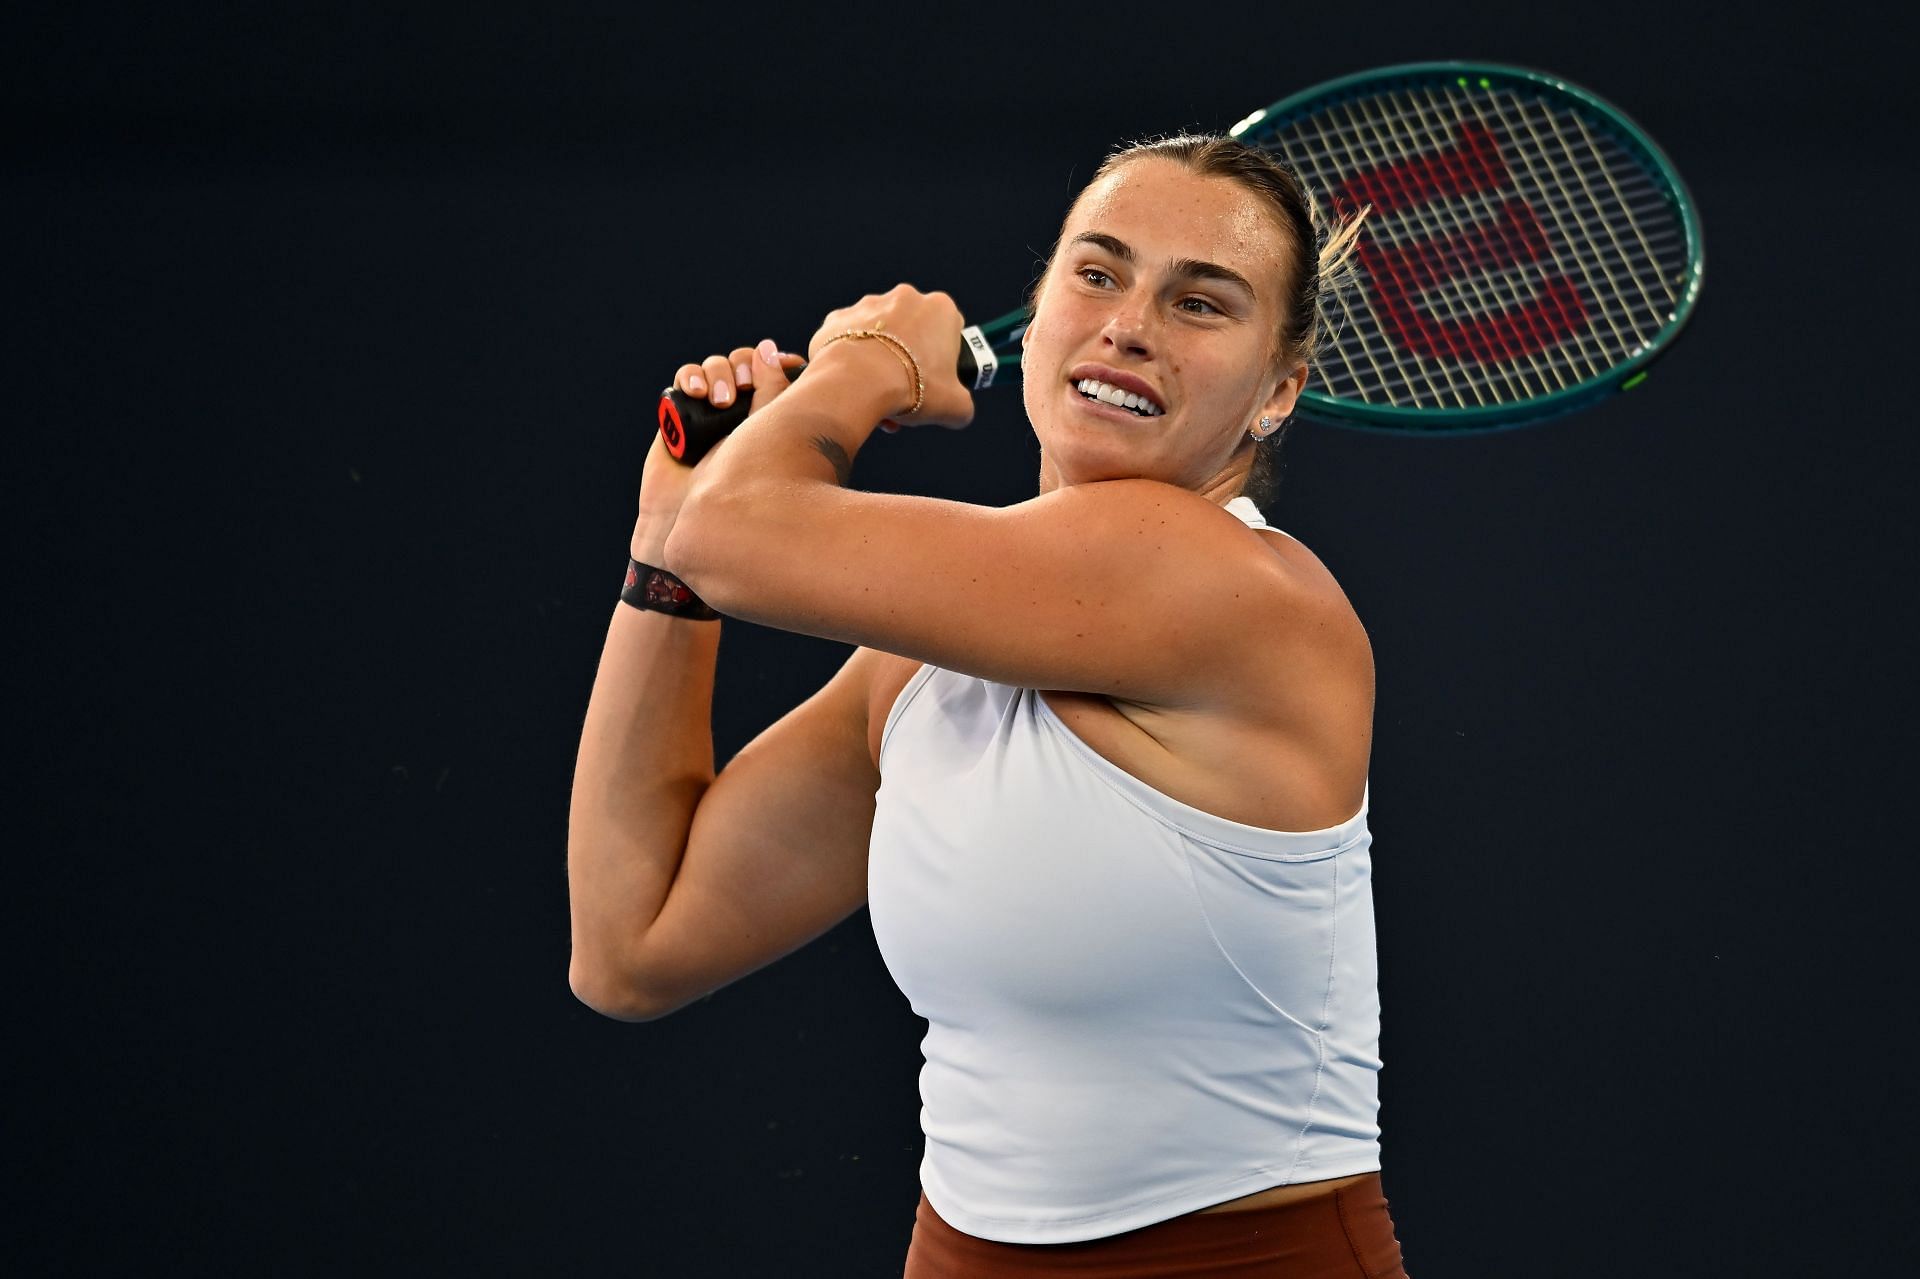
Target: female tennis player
[(1098, 763)]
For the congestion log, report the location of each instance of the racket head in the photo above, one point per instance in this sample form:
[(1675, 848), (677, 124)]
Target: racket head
[(1529, 250)]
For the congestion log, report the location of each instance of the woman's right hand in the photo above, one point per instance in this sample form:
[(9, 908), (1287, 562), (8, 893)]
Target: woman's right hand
[(762, 372)]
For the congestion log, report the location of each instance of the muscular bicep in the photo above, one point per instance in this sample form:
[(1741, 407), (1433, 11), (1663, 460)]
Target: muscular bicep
[(777, 853)]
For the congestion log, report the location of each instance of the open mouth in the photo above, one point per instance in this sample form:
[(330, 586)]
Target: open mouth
[(1138, 405)]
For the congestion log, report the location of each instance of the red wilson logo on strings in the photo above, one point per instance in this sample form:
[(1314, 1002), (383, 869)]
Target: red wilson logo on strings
[(1398, 274)]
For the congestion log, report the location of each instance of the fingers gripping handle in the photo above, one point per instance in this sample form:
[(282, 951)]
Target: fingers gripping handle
[(691, 427)]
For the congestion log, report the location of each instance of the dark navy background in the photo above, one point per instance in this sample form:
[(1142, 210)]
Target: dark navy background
[(331, 340)]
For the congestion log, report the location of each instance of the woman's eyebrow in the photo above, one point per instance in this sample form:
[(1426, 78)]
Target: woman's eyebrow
[(1187, 268), (1101, 240)]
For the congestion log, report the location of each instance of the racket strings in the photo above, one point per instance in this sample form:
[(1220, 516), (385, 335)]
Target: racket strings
[(1571, 326), (1568, 205), (1514, 250), (1367, 147), (1408, 180), (1407, 271)]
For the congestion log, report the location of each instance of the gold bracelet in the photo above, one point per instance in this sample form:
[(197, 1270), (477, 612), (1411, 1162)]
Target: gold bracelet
[(906, 358)]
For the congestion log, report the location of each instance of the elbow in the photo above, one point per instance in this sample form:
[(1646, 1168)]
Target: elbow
[(611, 995), (700, 550), (681, 550)]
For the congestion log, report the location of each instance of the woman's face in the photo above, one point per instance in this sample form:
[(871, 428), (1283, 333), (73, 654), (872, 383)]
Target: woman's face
[(1167, 285)]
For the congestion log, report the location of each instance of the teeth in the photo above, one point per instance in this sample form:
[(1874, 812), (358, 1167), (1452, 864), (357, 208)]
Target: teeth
[(1108, 394)]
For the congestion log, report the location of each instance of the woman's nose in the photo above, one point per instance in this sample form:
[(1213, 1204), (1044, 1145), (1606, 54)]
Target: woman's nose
[(1130, 328)]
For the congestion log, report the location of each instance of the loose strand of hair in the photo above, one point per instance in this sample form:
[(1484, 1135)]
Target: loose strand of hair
[(1337, 270), (1342, 240)]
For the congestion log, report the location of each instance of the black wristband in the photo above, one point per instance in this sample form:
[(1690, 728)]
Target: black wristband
[(656, 590)]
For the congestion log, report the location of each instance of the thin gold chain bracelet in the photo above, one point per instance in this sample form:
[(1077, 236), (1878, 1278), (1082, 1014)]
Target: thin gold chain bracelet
[(899, 348)]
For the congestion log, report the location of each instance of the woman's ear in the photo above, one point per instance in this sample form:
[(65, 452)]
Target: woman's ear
[(1279, 405)]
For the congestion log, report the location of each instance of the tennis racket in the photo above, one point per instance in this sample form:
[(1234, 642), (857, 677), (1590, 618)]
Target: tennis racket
[(1529, 251)]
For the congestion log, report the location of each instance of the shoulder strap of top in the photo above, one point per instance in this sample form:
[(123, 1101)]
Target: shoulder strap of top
[(1243, 507)]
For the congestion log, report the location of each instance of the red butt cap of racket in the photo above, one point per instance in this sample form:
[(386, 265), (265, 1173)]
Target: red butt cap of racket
[(690, 427)]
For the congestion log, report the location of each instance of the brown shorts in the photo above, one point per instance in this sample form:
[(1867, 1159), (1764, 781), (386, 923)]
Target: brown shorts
[(1344, 1234)]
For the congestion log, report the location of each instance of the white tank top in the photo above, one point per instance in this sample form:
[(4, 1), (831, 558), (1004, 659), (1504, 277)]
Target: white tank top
[(1135, 1008)]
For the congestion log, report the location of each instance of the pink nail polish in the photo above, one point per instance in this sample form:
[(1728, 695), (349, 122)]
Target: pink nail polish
[(743, 374), (769, 352), (696, 383)]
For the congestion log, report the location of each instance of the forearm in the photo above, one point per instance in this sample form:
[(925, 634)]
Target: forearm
[(646, 758)]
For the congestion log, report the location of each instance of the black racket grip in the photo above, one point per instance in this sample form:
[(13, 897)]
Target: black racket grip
[(691, 427)]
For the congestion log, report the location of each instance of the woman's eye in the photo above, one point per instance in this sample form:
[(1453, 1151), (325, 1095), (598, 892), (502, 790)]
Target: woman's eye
[(1095, 276), (1198, 306)]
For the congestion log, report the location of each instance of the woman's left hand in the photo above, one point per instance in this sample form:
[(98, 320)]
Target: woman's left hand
[(928, 326)]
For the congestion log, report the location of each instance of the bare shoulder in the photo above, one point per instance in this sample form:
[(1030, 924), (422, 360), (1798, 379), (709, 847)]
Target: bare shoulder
[(1311, 583), (1316, 662), (1300, 613), (1290, 750), (1309, 710)]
